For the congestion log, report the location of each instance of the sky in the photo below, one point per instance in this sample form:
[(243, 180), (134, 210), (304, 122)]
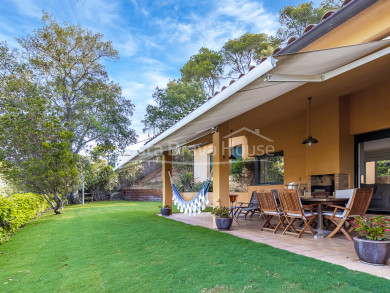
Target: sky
[(154, 38)]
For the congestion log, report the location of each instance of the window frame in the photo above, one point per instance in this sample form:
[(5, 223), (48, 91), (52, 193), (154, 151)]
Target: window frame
[(258, 171)]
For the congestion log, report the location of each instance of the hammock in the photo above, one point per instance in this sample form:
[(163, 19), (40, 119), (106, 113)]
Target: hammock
[(195, 205)]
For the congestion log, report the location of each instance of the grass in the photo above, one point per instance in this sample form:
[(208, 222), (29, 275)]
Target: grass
[(125, 247)]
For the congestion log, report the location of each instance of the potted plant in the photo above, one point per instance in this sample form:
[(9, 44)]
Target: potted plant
[(222, 219), (165, 210), (372, 246)]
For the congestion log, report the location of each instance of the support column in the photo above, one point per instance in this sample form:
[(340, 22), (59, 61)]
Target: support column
[(167, 188), (221, 167)]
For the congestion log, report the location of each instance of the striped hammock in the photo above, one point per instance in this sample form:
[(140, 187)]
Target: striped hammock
[(194, 206)]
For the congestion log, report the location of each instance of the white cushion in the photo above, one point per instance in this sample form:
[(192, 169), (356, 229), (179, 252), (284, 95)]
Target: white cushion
[(272, 213), (338, 214), (345, 193), (307, 214)]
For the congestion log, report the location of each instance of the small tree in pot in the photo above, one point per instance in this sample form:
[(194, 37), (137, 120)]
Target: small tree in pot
[(165, 210), (372, 246), (222, 219)]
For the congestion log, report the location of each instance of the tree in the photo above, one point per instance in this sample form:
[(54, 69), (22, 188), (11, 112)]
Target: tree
[(294, 19), (205, 67), (35, 150), (129, 174), (241, 53), (100, 179), (171, 103), (69, 62)]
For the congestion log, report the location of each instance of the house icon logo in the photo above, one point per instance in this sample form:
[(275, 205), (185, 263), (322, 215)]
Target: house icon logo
[(254, 132)]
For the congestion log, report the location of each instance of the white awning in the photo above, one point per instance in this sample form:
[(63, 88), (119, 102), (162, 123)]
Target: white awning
[(269, 80)]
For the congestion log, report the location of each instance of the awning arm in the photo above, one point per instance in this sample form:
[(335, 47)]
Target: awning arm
[(328, 75)]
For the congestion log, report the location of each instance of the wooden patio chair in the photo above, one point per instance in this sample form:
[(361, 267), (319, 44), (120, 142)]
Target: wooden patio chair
[(356, 206), (294, 210), (269, 209), (251, 207)]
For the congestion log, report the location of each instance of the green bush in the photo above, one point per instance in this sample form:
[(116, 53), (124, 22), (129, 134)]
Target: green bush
[(17, 210)]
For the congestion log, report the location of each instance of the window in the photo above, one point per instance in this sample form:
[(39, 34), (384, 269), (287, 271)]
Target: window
[(269, 169)]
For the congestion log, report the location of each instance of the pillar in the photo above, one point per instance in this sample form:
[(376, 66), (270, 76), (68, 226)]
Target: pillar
[(167, 187), (221, 167)]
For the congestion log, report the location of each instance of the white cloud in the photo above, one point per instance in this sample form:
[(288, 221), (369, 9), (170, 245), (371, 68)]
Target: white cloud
[(98, 11), (127, 47), (250, 13), (29, 8), (229, 19), (156, 79)]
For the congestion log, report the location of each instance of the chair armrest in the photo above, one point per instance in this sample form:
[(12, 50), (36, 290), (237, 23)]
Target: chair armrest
[(310, 205), (336, 207)]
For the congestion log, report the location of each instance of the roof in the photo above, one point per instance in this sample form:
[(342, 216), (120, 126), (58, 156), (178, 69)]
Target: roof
[(271, 79)]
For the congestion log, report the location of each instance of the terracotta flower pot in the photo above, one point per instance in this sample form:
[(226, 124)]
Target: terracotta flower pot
[(371, 251), (223, 223), (165, 211)]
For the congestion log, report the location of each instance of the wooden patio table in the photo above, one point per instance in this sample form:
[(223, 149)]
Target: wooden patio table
[(321, 202)]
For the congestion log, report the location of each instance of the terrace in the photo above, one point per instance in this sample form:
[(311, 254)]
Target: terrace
[(337, 250)]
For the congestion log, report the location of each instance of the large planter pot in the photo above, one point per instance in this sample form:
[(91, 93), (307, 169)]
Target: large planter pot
[(165, 211), (373, 252), (223, 223)]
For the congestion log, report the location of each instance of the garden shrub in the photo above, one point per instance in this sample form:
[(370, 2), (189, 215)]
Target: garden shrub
[(17, 210)]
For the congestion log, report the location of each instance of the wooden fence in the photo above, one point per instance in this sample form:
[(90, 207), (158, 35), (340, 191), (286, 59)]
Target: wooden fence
[(142, 194)]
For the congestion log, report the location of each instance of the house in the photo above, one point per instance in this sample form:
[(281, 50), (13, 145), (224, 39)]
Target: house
[(343, 64)]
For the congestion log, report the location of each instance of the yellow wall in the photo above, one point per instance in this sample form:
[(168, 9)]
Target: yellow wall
[(370, 109), (201, 162), (335, 121), (371, 24), (202, 157), (287, 135)]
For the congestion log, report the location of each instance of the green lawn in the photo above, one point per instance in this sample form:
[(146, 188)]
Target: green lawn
[(124, 247)]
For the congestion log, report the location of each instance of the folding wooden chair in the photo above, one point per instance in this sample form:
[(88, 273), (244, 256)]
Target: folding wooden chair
[(293, 210), (269, 209), (356, 206)]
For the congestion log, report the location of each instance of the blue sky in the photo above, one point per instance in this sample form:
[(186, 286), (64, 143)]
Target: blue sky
[(154, 38)]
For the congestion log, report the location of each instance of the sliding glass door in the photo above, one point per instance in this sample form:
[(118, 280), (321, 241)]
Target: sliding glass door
[(373, 167)]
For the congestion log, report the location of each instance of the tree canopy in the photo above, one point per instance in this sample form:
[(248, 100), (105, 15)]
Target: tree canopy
[(69, 62), (177, 98), (35, 150), (206, 67), (241, 53), (57, 100), (294, 19)]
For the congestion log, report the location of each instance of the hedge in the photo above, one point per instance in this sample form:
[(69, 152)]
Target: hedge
[(17, 210)]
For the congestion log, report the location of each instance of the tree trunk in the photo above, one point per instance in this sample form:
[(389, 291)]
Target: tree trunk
[(58, 202)]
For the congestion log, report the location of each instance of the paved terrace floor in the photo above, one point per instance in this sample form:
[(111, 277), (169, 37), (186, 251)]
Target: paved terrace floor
[(337, 250)]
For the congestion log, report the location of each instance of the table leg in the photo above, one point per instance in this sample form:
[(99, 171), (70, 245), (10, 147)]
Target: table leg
[(320, 231)]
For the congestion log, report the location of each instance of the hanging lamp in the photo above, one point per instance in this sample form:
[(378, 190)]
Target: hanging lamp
[(310, 140), (232, 157)]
